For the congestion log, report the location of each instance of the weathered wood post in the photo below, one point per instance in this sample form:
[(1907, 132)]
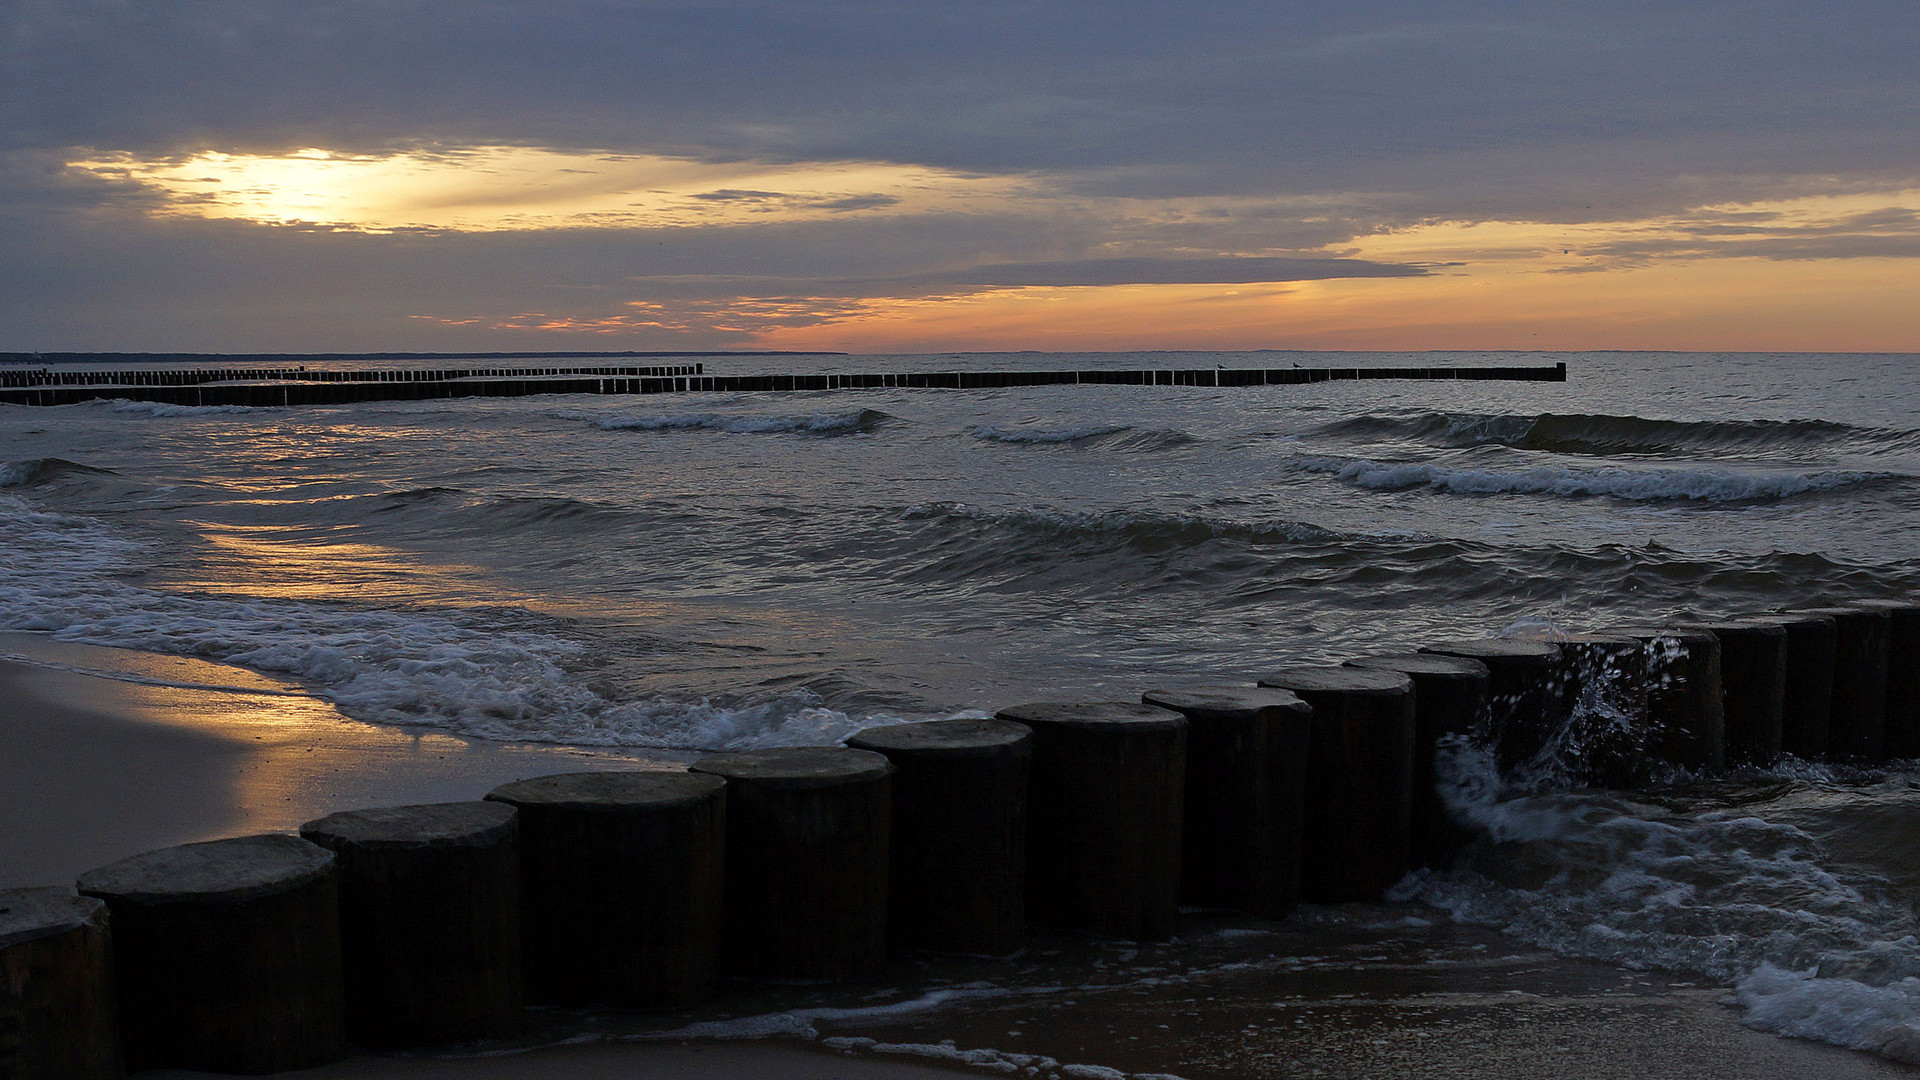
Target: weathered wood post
[(1605, 733), (1807, 710), (1449, 700), (620, 886), (1857, 724), (1753, 681), (1526, 692), (1105, 816), (58, 1016), (1245, 782), (1903, 675), (1356, 827), (959, 849), (429, 921), (808, 832), (227, 955), (1684, 698)]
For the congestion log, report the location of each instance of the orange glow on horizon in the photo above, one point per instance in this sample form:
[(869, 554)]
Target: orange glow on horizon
[(1725, 305)]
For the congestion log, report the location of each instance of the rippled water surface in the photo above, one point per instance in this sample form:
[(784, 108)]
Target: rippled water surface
[(702, 569)]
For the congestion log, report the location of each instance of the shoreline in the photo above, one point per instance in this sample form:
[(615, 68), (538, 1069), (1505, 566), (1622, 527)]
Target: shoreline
[(94, 769)]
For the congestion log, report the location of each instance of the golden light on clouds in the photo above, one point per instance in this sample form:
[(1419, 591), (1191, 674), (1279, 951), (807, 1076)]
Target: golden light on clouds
[(1818, 226), (1822, 271), (1729, 304), (491, 188)]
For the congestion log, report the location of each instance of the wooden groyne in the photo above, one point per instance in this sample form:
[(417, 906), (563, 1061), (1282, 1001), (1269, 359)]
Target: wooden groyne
[(406, 927), (288, 387)]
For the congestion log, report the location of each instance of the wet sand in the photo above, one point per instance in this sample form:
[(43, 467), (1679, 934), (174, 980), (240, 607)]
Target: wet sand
[(93, 769)]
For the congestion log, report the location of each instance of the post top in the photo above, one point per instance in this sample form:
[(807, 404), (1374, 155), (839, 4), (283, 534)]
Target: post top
[(217, 871), (797, 766), (31, 914), (1526, 650), (1749, 626), (1227, 702), (1095, 715), (616, 789), (1653, 632), (1796, 618), (460, 824), (944, 737), (1891, 607), (1334, 679), (1849, 611), (1417, 663)]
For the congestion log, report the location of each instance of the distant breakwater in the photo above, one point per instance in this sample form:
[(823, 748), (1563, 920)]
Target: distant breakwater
[(291, 386)]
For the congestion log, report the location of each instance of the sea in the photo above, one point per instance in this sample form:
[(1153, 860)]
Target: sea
[(702, 571)]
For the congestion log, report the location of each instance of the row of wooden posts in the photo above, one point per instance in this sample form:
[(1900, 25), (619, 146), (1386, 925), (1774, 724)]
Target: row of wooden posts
[(431, 925)]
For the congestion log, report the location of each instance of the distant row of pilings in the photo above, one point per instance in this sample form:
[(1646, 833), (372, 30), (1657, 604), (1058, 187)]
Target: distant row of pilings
[(271, 387), (418, 926), (202, 376)]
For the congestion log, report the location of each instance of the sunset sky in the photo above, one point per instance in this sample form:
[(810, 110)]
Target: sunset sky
[(253, 175)]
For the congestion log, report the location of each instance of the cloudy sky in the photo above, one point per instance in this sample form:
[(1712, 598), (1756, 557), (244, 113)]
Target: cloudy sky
[(233, 175)]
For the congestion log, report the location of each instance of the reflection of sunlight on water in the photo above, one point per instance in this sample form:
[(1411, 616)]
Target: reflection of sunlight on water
[(260, 561)]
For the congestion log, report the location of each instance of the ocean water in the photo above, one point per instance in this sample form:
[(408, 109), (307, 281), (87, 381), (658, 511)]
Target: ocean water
[(710, 571)]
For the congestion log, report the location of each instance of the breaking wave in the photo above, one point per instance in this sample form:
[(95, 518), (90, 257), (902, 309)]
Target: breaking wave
[(1638, 485), (1605, 435)]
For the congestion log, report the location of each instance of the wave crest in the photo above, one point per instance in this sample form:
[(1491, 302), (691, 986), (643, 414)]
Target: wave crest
[(36, 471), (1124, 438), (1637, 485), (1127, 526), (1599, 434)]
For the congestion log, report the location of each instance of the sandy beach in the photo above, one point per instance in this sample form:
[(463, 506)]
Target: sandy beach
[(174, 750), (95, 768)]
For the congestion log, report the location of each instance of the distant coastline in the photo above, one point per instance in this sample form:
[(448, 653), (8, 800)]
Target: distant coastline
[(197, 358)]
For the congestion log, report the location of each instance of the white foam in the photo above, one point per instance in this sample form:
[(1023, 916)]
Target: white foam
[(1640, 485), (800, 1023), (1815, 950), (497, 675), (1882, 1019), (162, 409), (1006, 1062)]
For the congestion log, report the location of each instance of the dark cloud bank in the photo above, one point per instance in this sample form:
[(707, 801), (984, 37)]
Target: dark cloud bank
[(1314, 123)]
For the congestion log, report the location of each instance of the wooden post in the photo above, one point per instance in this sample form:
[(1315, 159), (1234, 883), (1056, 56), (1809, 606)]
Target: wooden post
[(1356, 827), (620, 886), (1903, 675), (807, 867), (1245, 782), (1449, 700), (227, 955), (1807, 711), (1684, 701), (58, 1017), (429, 921), (1604, 742), (1103, 838), (1526, 692), (959, 847), (1753, 680), (1857, 725)]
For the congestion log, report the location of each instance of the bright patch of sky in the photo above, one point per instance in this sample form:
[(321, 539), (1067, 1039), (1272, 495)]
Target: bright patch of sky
[(485, 188)]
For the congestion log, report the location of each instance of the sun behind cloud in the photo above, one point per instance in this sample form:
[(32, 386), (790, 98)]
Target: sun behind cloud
[(492, 188)]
